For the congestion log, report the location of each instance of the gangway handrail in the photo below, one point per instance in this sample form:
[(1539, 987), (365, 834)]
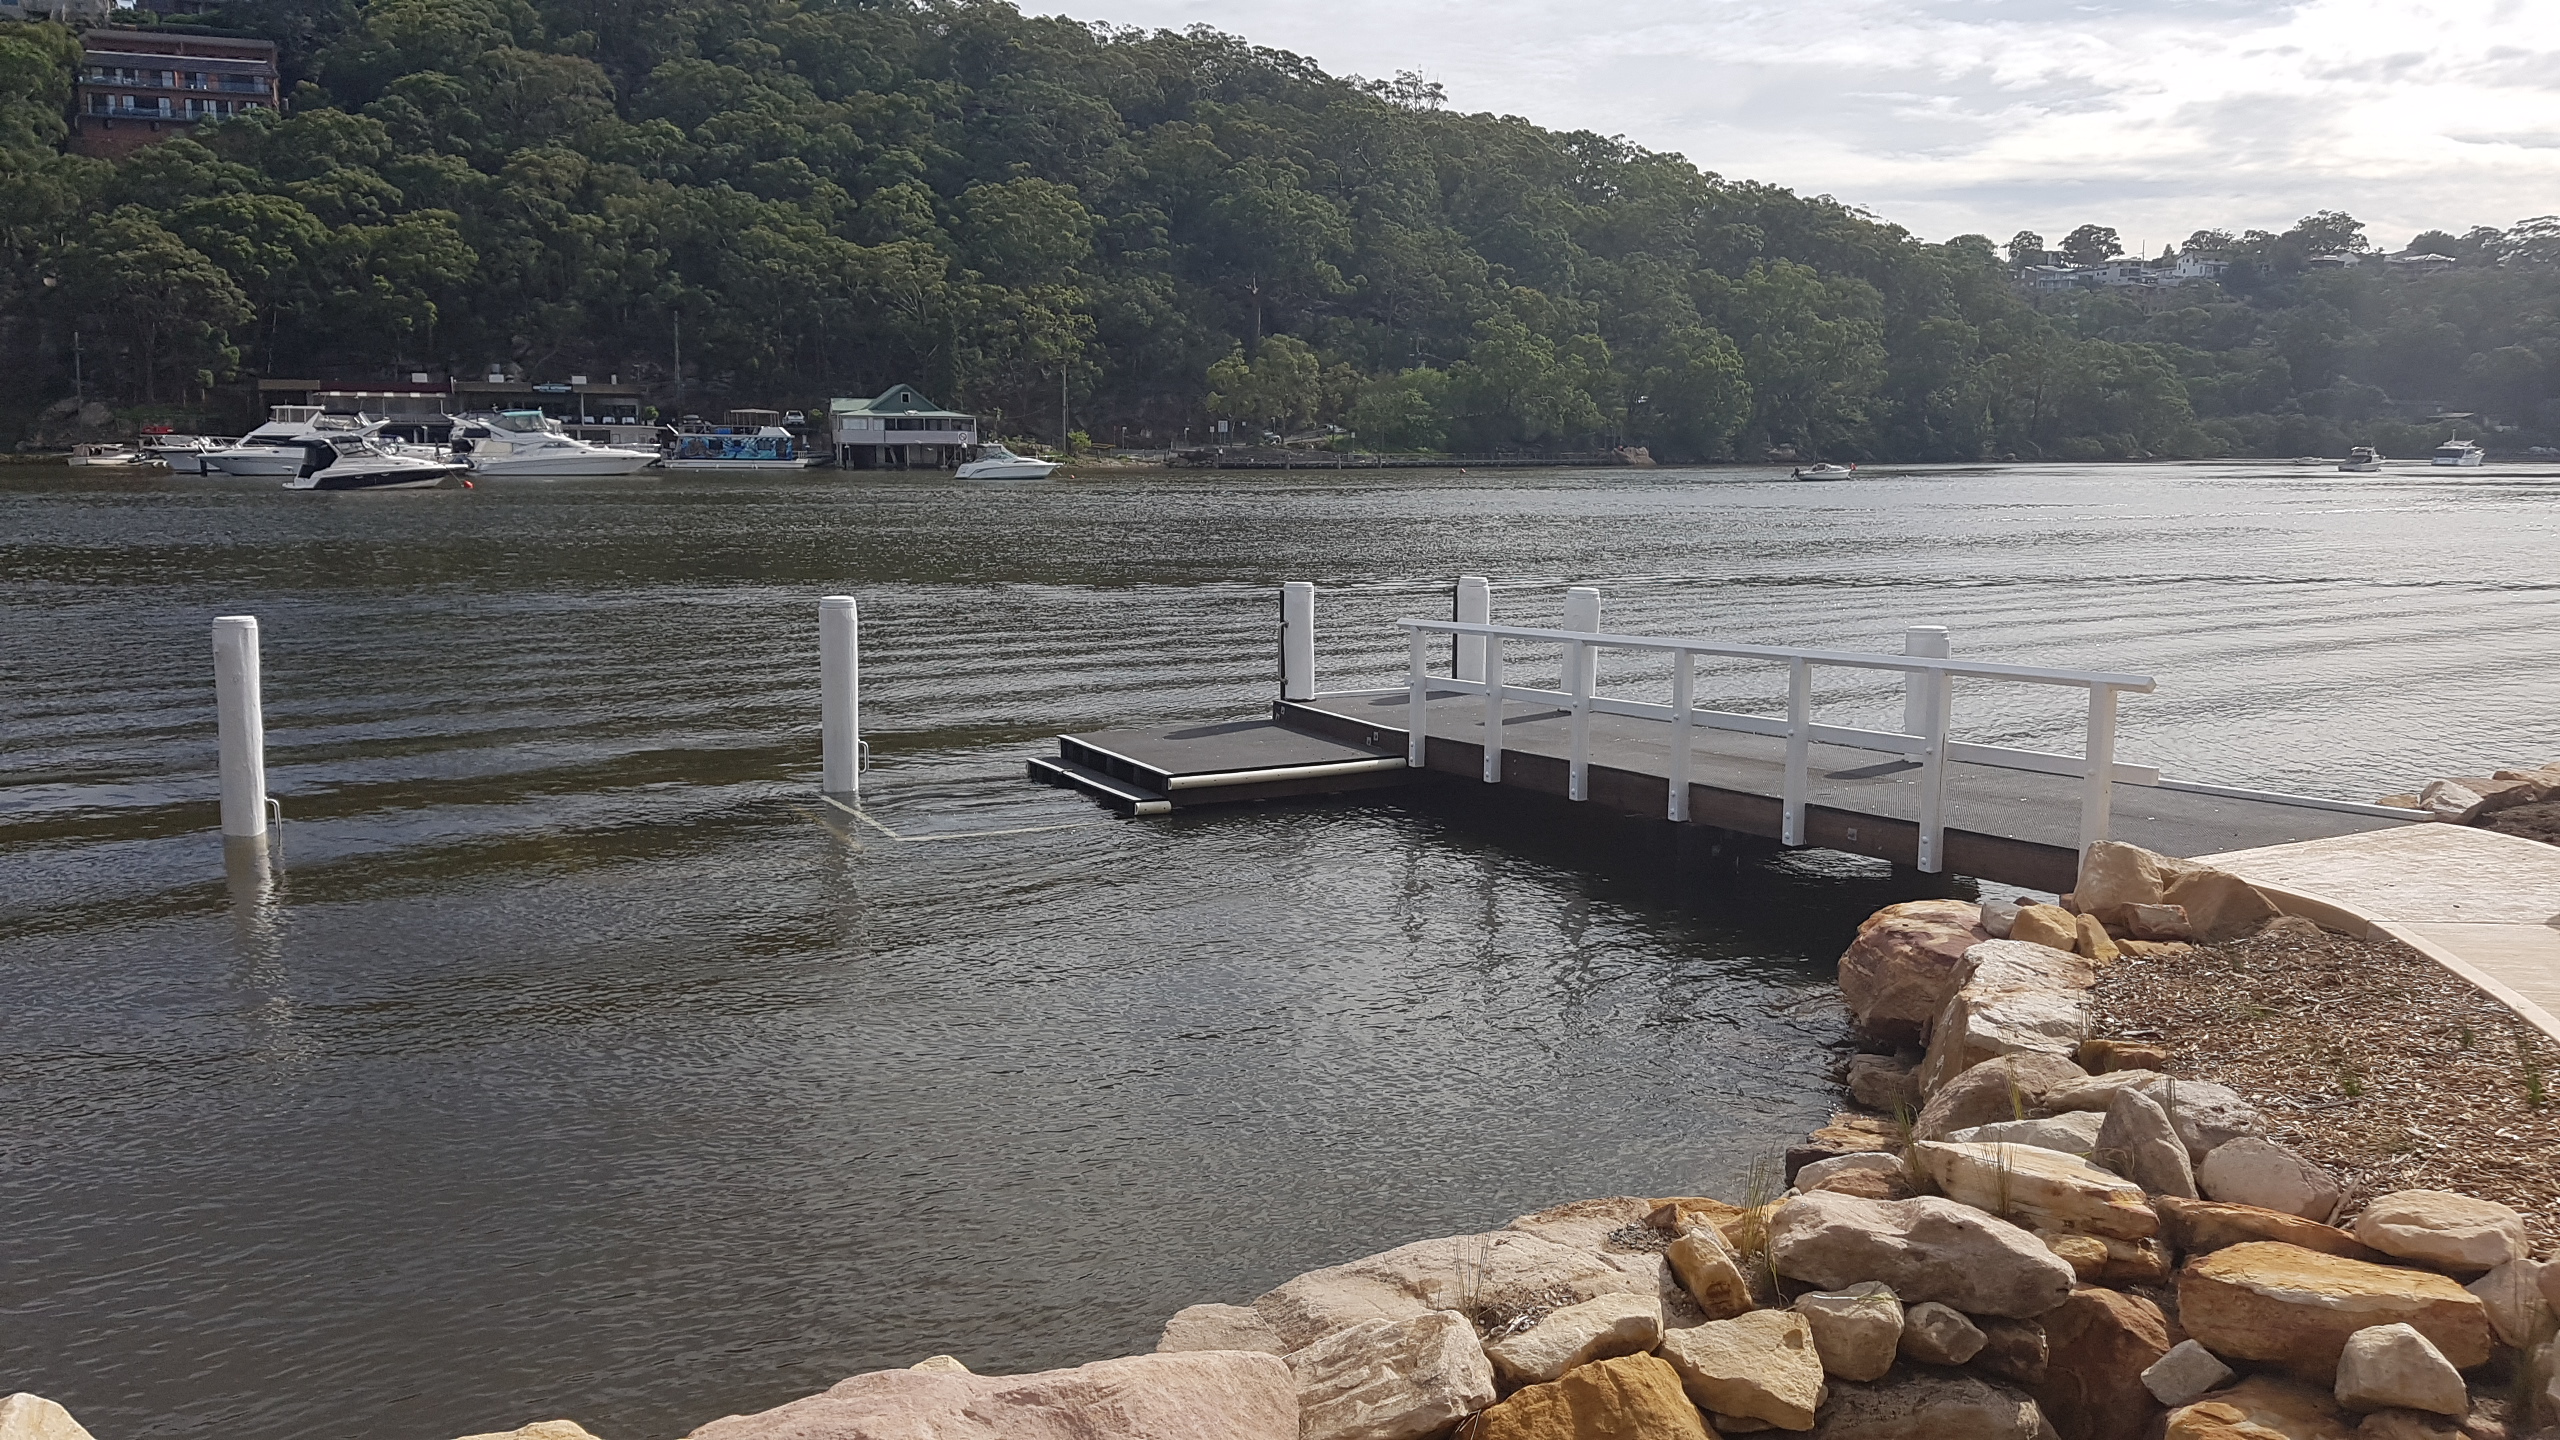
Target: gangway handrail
[(1933, 677)]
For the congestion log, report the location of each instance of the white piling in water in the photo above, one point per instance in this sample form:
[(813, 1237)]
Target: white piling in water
[(240, 726), (1581, 612), (1297, 640), (840, 695), (1931, 641), (1474, 606)]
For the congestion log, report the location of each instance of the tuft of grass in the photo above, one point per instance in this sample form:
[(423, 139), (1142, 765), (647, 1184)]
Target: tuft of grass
[(2017, 1097), (2529, 1069), (2465, 1037), (1762, 1184)]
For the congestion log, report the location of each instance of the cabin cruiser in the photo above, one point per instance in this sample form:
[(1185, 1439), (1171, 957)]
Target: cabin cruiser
[(2466, 453), (508, 443), (1824, 471), (122, 456), (752, 440), (275, 448), (358, 462), (2363, 459), (183, 454), (995, 462)]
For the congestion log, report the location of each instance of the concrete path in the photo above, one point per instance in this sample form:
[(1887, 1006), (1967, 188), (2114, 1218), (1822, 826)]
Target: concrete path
[(2484, 905)]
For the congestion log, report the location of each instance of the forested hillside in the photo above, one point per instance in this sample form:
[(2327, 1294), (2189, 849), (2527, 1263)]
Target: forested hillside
[(826, 196)]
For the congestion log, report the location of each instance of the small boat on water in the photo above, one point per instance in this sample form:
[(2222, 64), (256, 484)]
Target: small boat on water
[(995, 462), (184, 454), (507, 444), (2465, 453), (1824, 471), (358, 462), (2363, 459), (752, 440), (275, 448), (120, 456)]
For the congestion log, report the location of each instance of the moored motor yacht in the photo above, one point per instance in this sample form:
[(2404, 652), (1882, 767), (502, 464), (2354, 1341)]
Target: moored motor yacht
[(752, 440), (275, 448), (995, 462), (1825, 471), (2362, 459), (530, 444), (2465, 453), (183, 454), (356, 462), (121, 456)]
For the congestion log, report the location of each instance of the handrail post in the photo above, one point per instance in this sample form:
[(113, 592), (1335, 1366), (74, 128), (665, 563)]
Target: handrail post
[(1297, 640), (1933, 642), (1937, 695), (1581, 612), (1684, 703), (240, 727), (1473, 605), (839, 696), (1492, 709), (1799, 750), (1417, 705), (1579, 657), (2098, 775)]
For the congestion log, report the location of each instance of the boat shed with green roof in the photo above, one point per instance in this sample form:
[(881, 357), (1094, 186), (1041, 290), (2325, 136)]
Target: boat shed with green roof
[(897, 429)]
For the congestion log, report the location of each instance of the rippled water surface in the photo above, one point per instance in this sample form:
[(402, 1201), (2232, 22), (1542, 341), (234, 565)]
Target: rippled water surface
[(577, 1062)]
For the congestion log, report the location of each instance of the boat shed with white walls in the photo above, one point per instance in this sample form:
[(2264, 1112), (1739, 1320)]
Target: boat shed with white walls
[(897, 429)]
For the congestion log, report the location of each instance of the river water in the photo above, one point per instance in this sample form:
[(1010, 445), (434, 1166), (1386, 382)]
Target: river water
[(577, 1063)]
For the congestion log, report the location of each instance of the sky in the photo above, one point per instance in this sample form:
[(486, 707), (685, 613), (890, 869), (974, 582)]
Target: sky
[(2157, 117)]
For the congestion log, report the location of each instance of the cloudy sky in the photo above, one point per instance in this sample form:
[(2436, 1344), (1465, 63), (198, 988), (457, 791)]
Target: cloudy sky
[(2158, 117)]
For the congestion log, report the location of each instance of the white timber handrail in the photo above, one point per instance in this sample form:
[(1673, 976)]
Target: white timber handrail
[(1929, 681)]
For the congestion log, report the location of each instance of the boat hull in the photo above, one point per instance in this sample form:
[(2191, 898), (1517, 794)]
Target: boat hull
[(739, 466), (258, 460), (2469, 460), (424, 477), (1006, 470), (565, 467)]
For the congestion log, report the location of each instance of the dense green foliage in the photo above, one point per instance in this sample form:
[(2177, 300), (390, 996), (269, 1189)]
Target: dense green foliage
[(826, 196)]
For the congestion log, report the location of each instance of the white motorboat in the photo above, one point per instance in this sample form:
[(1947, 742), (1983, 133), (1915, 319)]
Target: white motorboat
[(2465, 453), (2362, 460), (1825, 471), (995, 462), (120, 456), (357, 462), (275, 448), (527, 443), (184, 454), (752, 440)]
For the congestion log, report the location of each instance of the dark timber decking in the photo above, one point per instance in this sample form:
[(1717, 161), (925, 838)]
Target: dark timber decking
[(2015, 826)]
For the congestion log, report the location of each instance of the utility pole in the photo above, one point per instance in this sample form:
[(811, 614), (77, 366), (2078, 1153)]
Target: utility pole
[(1062, 405), (79, 388), (679, 364)]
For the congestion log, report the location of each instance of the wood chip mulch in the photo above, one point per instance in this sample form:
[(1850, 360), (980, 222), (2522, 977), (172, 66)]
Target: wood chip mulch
[(2365, 1056)]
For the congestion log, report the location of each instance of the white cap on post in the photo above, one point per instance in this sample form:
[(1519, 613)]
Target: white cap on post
[(840, 695), (240, 726)]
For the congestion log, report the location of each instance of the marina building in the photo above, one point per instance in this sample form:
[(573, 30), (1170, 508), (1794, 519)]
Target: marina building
[(899, 428), (139, 87)]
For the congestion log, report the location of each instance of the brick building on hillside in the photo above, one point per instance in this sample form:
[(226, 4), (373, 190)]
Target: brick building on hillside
[(140, 87)]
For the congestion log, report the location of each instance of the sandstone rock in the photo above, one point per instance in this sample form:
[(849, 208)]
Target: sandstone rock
[(1877, 1177), (1761, 1366), (2119, 1262), (1856, 1331), (949, 1364), (2443, 1229), (2012, 1350), (2220, 906), (2207, 1116), (1392, 1379), (2099, 1342), (2158, 922), (1847, 1134), (1217, 1395), (2394, 1365), (2155, 949), (1929, 1405), (2199, 1227), (2046, 925), (1884, 1083), (2451, 801), (1710, 1273), (1633, 1397), (1440, 1274), (2137, 1141), (1925, 1249), (1821, 1170), (1979, 1024), (538, 1430), (1992, 1092), (2263, 1407), (2100, 1057), (2287, 1306), (1586, 1224), (2040, 1189), (1998, 916), (1934, 1334), (2255, 1171), (1897, 972), (2407, 1425), (2517, 1310), (1601, 1329), (2075, 1133), (2185, 1375), (2114, 877), (1220, 1327), (2022, 965), (28, 1416), (2094, 1092), (2086, 1254), (2096, 943)]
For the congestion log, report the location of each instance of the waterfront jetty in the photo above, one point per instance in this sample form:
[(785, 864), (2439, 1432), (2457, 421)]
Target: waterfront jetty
[(1919, 796)]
